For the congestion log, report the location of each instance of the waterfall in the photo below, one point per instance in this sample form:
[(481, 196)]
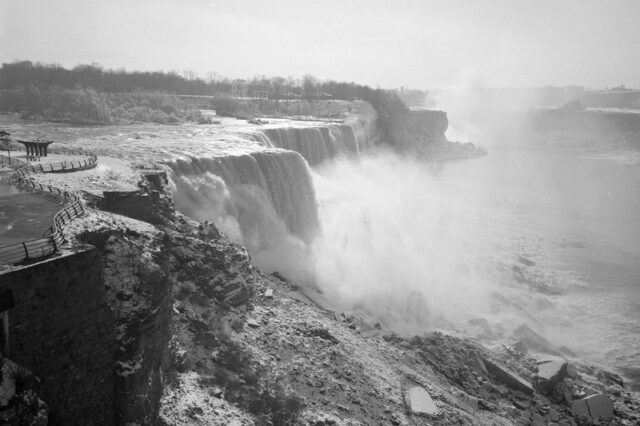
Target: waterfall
[(250, 196), (264, 199), (316, 144)]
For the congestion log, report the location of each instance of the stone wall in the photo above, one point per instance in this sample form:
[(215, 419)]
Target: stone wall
[(62, 329)]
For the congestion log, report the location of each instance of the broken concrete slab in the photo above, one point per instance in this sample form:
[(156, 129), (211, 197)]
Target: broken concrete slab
[(508, 377), (420, 402), (598, 406)]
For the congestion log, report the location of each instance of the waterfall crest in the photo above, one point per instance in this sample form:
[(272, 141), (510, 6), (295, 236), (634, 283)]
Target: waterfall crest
[(265, 199), (316, 144)]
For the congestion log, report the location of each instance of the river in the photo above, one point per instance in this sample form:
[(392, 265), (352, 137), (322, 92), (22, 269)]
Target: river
[(540, 235)]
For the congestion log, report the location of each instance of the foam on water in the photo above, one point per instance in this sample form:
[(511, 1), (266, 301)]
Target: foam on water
[(543, 237)]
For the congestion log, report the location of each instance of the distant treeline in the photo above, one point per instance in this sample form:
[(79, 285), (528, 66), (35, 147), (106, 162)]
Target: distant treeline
[(25, 73), (91, 94)]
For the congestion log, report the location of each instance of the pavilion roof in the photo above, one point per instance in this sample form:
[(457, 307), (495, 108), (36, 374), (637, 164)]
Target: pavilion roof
[(37, 141)]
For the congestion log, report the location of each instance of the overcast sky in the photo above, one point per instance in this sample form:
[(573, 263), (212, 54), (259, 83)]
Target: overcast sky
[(391, 43)]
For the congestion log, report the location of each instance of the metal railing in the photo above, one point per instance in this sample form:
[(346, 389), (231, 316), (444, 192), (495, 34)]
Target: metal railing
[(53, 238)]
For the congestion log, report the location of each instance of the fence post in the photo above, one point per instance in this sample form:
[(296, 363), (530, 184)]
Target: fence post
[(26, 251)]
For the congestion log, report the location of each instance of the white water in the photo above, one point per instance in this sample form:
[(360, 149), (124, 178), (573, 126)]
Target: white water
[(565, 221), (415, 246)]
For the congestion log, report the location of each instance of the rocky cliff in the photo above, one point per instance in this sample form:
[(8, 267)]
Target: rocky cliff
[(418, 132)]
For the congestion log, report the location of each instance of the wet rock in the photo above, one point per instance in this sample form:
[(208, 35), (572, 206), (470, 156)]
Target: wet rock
[(610, 377), (252, 323), (614, 390), (537, 420), (508, 377), (534, 341), (420, 402), (549, 374), (572, 371), (597, 406), (268, 293), (620, 409), (485, 405), (521, 405)]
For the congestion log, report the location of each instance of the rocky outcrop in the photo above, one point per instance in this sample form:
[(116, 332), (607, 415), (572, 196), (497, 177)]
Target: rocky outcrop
[(152, 203), (422, 132)]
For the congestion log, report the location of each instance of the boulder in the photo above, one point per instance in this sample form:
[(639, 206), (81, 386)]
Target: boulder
[(534, 341), (598, 406), (508, 377), (420, 402), (549, 374)]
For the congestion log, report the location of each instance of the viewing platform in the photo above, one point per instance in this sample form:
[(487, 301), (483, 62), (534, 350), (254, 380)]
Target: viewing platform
[(24, 215)]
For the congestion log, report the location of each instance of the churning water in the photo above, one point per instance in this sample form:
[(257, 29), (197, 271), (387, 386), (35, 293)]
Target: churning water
[(535, 235)]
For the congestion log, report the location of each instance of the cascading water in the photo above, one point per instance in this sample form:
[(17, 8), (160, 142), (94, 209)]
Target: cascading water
[(243, 186), (316, 144), (265, 199)]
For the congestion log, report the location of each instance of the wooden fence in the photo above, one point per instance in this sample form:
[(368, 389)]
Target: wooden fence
[(53, 238)]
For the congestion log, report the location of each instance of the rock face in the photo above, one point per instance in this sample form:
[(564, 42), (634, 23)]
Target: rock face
[(152, 203)]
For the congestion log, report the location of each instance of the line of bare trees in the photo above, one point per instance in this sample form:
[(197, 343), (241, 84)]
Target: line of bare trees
[(25, 73)]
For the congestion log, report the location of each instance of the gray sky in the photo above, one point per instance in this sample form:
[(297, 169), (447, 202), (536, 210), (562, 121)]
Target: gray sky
[(391, 43)]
